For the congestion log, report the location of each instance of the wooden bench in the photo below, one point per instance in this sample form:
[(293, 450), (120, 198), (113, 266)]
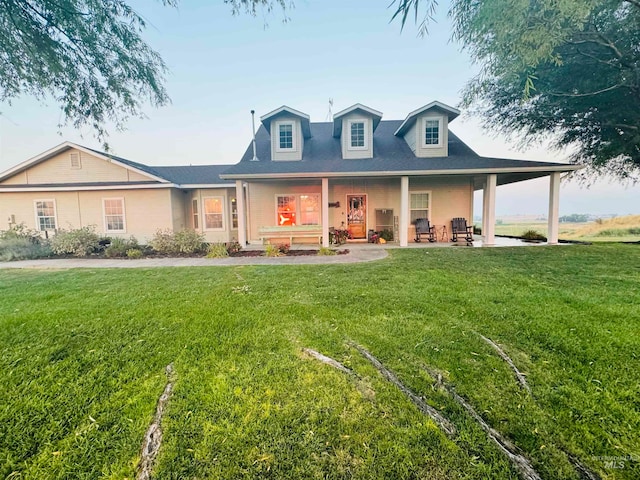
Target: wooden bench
[(290, 232)]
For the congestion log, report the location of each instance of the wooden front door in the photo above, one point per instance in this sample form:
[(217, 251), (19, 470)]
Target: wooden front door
[(357, 215)]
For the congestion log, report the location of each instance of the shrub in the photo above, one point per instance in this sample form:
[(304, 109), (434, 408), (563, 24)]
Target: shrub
[(217, 250), (119, 247), (79, 242), (189, 241), (23, 248), (19, 230), (134, 253), (233, 247), (284, 248), (326, 251), (162, 241), (272, 251), (533, 235), (387, 235), (184, 241)]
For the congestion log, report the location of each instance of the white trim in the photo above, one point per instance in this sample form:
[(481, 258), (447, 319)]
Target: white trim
[(357, 106), (65, 146), (452, 114), (205, 185), (70, 188), (284, 108), (421, 192), (104, 216), (554, 208), (55, 213), (423, 131), (294, 136), (222, 210), (195, 215), (399, 173), (365, 128)]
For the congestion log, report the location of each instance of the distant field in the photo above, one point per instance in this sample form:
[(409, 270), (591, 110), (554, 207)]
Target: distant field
[(619, 229)]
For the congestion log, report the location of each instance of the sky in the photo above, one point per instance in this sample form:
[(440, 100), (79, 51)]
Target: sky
[(222, 66)]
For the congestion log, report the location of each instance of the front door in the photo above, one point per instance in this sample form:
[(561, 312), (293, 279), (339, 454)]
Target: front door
[(357, 215)]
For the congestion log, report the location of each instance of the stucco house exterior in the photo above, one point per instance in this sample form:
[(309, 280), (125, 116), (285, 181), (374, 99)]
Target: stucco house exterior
[(363, 173), (297, 180), (71, 186)]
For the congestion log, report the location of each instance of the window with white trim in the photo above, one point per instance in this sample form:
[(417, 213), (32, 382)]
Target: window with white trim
[(301, 209), (45, 215), (234, 213), (432, 132), (213, 213), (419, 205), (285, 136), (357, 139), (286, 210), (113, 209), (310, 209), (195, 214)]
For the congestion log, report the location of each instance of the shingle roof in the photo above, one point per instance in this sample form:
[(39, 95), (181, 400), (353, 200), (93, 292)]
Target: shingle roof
[(194, 174), (322, 155), (181, 175)]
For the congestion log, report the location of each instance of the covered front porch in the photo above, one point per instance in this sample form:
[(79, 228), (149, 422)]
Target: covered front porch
[(358, 204)]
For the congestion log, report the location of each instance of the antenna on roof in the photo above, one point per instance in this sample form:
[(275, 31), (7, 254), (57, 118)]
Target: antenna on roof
[(330, 113), (253, 127)]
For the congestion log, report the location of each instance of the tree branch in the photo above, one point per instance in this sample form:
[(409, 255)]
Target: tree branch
[(597, 92)]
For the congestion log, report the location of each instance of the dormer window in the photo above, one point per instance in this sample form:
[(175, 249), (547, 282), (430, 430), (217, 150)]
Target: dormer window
[(357, 132), (432, 132), (285, 136)]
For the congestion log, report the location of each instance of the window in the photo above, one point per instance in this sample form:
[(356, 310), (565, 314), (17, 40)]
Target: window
[(285, 131), (194, 213), (432, 132), (213, 218), (309, 209), (298, 209), (75, 161), (45, 215), (113, 209), (419, 205), (357, 134), (234, 213), (286, 210)]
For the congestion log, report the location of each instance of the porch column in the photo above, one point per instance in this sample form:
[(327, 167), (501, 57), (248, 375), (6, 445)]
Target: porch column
[(325, 212), (489, 210), (404, 211), (554, 207), (242, 214)]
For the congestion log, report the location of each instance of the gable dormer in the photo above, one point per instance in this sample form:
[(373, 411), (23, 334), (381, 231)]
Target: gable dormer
[(355, 126), (426, 130), (288, 128)]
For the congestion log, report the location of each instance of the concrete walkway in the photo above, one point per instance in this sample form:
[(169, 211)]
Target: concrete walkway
[(355, 255)]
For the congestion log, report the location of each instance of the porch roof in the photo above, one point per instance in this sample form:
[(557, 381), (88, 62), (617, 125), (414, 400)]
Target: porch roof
[(322, 157)]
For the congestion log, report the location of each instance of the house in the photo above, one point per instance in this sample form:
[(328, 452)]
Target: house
[(71, 186), (296, 181), (363, 173)]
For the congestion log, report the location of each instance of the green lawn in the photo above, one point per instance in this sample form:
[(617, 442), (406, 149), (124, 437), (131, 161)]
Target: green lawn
[(82, 357)]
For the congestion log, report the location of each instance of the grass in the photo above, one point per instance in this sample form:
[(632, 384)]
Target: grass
[(619, 229), (82, 357)]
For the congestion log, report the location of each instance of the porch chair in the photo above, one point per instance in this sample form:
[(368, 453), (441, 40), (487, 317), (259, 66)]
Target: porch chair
[(424, 228), (459, 227)]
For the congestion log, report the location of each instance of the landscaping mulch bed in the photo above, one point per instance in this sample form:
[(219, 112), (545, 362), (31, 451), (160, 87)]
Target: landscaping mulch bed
[(291, 253)]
